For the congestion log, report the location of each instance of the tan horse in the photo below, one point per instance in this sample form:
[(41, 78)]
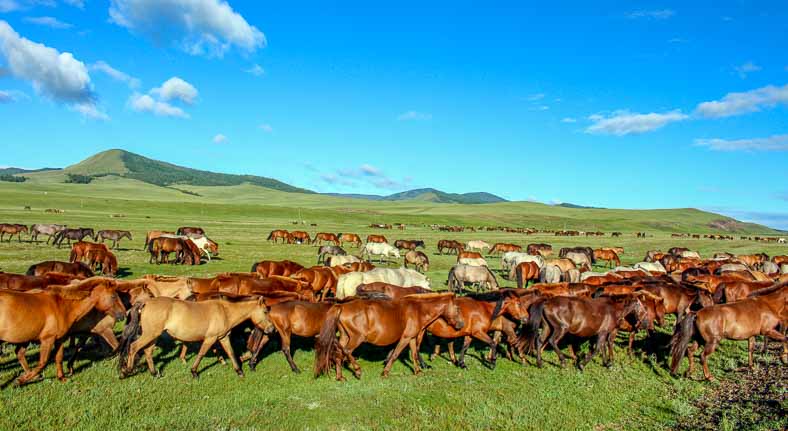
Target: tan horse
[(12, 229), (207, 322)]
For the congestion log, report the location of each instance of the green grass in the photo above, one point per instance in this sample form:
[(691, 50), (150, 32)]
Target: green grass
[(636, 393)]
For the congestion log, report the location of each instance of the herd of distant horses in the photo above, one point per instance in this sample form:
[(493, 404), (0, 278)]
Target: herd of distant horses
[(562, 300)]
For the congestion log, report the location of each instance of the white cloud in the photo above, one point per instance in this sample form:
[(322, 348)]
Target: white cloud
[(219, 139), (746, 68), (49, 21), (624, 122), (116, 74), (90, 110), (414, 116), (746, 102), (266, 128), (199, 27), (652, 14), (535, 97), (76, 3), (176, 89), (569, 120), (369, 170), (145, 103), (256, 70), (540, 108), (772, 143), (55, 75), (10, 96)]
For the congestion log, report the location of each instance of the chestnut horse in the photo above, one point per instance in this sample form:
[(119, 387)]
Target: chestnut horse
[(105, 259), (46, 317), (190, 231), (277, 234), (525, 272), (320, 237), (298, 237), (381, 323), (608, 255), (405, 244), (77, 269), (501, 247), (349, 237), (81, 249), (29, 282), (11, 230), (267, 268), (320, 278), (760, 314), (450, 245), (153, 235), (376, 238)]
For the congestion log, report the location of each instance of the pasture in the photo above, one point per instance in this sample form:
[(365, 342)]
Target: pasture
[(635, 393)]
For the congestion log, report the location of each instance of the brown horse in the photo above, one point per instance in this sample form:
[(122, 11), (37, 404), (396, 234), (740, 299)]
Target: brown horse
[(418, 259), (253, 284), (738, 290), (153, 235), (351, 238), (267, 268), (11, 230), (321, 237), (525, 272), (77, 269), (502, 247), (469, 255), (46, 317), (81, 249), (277, 234), (377, 238), (190, 231), (539, 249), (298, 237), (451, 245), (406, 244), (352, 267), (759, 314), (23, 283), (106, 260), (206, 321), (608, 255), (388, 290), (161, 247), (381, 323), (321, 279)]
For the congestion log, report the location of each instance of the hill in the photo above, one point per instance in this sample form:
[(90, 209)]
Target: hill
[(430, 195), (14, 171)]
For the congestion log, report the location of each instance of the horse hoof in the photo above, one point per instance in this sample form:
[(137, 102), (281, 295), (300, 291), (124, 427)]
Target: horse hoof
[(297, 370), (63, 379), (252, 366), (195, 375), (240, 373)]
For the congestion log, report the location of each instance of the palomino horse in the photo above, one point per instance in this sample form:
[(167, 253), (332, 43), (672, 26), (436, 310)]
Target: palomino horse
[(77, 269), (451, 246), (278, 234), (476, 275), (608, 256), (348, 283), (418, 259), (477, 245), (11, 230), (321, 237), (351, 238), (267, 268), (77, 234), (298, 237), (50, 230), (46, 317), (206, 321), (381, 323), (760, 314), (113, 235)]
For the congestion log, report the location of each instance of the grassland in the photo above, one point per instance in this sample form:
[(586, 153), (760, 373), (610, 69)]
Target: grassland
[(636, 393)]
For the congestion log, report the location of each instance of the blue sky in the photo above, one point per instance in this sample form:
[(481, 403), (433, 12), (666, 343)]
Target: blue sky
[(615, 104)]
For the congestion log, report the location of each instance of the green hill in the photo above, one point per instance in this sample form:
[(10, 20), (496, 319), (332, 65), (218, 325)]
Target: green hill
[(430, 195)]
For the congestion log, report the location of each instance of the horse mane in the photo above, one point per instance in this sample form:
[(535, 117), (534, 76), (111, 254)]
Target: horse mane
[(67, 292), (374, 295), (487, 296), (165, 278), (434, 295)]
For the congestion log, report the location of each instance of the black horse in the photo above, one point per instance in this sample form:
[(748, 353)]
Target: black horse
[(73, 235)]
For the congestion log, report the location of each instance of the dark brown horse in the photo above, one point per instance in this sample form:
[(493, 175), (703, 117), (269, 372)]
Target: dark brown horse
[(539, 249), (190, 231), (502, 247), (104, 259), (277, 234), (113, 235), (267, 268), (77, 269), (161, 247), (451, 246), (381, 323), (351, 238), (406, 244), (11, 230), (77, 234), (151, 235), (321, 237)]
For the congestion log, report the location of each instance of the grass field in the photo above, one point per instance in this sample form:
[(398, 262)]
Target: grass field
[(636, 393)]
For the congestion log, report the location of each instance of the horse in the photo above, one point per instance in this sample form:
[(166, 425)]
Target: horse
[(588, 251), (376, 239), (738, 290), (450, 245), (349, 237), (679, 299), (151, 235), (81, 250), (676, 251), (105, 259), (418, 259), (379, 249), (11, 230), (190, 231), (298, 237), (472, 261), (752, 260), (563, 264), (284, 268), (168, 286), (206, 321), (607, 255), (161, 247), (320, 278), (50, 230), (207, 247), (47, 316), (469, 255), (540, 249), (381, 323), (526, 271), (404, 244), (329, 250), (113, 235), (388, 290), (20, 282), (580, 259), (77, 269), (477, 275), (477, 245), (501, 247), (277, 234), (77, 234), (511, 259), (651, 267), (332, 261), (760, 314), (327, 237), (348, 283)]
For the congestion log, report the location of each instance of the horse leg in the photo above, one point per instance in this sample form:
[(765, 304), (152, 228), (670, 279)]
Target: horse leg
[(286, 351), (555, 337), (206, 345), (611, 355), (414, 353), (228, 348), (59, 361), (182, 356), (710, 347), (630, 351), (465, 344), (258, 348), (43, 357), (395, 354), (21, 351), (77, 344), (750, 348), (776, 335), (600, 341), (482, 336), (149, 360)]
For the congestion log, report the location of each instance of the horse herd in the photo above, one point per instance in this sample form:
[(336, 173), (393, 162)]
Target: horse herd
[(345, 301)]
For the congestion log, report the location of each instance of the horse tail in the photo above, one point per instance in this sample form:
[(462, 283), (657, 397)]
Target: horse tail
[(451, 281), (680, 340), (72, 257), (497, 309), (529, 336), (254, 267), (130, 333), (326, 344), (517, 275), (31, 270)]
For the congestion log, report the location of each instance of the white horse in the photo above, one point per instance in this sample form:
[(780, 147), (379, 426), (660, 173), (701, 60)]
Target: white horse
[(341, 260), (650, 267), (477, 245), (202, 242), (381, 249), (348, 283), (473, 261), (550, 274), (690, 254), (511, 259)]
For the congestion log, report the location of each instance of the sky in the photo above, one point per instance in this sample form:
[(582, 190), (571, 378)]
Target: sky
[(656, 104)]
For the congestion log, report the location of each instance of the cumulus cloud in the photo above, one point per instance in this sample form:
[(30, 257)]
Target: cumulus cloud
[(146, 103), (199, 27), (771, 143), (746, 102), (176, 89), (624, 122), (266, 128), (255, 70), (116, 74), (11, 96), (414, 116), (219, 139), (54, 75), (651, 14), (746, 68), (48, 21), (365, 174), (90, 110), (569, 120)]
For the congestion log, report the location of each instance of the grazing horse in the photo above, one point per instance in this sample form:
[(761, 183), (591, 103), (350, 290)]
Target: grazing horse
[(607, 255), (381, 323), (113, 235), (284, 268), (525, 272), (151, 235), (469, 255), (476, 275), (418, 259), (50, 230), (11, 230), (563, 264), (376, 238), (205, 321), (161, 247), (320, 278), (105, 259), (81, 250), (588, 251), (351, 238), (760, 314), (298, 237), (277, 234), (329, 250), (190, 231), (477, 245), (540, 249), (450, 245), (472, 261), (77, 234), (77, 269), (581, 260), (320, 237), (548, 274), (379, 249), (501, 247), (348, 283), (405, 244), (46, 317)]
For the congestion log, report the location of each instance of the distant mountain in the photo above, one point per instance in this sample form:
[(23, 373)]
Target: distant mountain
[(129, 165), (430, 195), (571, 205), (14, 171)]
